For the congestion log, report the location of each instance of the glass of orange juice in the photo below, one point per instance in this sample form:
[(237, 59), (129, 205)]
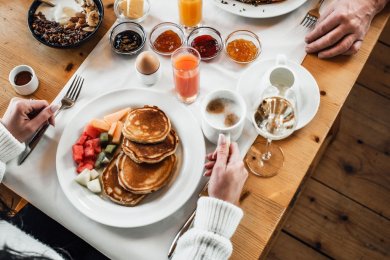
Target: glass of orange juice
[(185, 64), (190, 13)]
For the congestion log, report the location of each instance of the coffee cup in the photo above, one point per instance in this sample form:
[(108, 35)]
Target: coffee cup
[(223, 112), (23, 79)]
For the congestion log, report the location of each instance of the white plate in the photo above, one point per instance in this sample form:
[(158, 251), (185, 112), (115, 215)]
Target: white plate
[(260, 11), (308, 96), (156, 206)]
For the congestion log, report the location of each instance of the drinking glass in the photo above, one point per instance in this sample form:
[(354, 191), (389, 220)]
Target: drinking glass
[(274, 118), (190, 13), (185, 65)]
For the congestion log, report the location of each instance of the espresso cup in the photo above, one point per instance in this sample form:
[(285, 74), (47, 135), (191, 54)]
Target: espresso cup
[(210, 125), (28, 88)]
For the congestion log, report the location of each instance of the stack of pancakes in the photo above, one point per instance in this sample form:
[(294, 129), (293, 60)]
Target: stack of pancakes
[(147, 159)]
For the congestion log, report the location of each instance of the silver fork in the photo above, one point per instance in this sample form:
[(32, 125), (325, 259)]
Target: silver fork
[(67, 101), (312, 16)]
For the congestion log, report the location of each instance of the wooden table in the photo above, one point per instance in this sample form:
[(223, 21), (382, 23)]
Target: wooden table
[(266, 201)]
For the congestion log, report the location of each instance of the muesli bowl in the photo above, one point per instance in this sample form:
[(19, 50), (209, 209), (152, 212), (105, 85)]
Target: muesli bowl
[(70, 34)]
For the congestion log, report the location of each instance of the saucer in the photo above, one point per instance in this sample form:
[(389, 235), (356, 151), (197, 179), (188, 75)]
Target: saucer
[(308, 96)]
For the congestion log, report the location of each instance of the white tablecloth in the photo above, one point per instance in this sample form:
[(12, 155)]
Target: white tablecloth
[(104, 71)]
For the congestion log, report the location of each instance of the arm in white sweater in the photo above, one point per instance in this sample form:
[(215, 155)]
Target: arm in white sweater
[(215, 223), (9, 148)]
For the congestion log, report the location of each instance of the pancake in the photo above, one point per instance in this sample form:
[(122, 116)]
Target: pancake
[(113, 190), (151, 153), (146, 125), (145, 178)]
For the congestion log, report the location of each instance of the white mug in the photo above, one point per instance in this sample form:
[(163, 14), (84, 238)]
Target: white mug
[(28, 88), (210, 129)]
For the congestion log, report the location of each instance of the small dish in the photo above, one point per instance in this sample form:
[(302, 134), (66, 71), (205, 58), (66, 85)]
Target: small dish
[(128, 27), (160, 29), (245, 35), (122, 18), (206, 31)]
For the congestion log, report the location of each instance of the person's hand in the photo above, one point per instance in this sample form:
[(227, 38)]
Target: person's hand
[(227, 171), (342, 27), (19, 118)]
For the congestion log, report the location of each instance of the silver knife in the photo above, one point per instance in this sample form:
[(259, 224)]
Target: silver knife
[(32, 143), (186, 225)]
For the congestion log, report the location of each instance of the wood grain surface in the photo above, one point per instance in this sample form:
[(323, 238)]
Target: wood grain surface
[(268, 200)]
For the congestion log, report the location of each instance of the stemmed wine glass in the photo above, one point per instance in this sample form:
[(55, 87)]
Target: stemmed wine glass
[(274, 118)]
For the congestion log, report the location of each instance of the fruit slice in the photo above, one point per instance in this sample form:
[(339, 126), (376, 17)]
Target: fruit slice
[(117, 116), (110, 149), (89, 152), (94, 174), (112, 129), (78, 153), (104, 139), (116, 138), (84, 165), (84, 177), (94, 186), (83, 138), (100, 125), (91, 131), (99, 160)]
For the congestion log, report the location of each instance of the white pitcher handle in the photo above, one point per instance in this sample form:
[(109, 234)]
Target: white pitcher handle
[(281, 59)]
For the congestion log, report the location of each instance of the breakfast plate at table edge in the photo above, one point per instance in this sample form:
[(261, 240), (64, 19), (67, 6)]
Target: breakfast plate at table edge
[(260, 11), (308, 98), (156, 206)]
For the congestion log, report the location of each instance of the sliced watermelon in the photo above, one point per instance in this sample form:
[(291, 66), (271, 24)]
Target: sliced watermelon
[(91, 132), (82, 139), (96, 145), (84, 165), (89, 152), (78, 153)]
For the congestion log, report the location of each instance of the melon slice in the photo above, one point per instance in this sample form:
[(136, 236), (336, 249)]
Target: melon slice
[(112, 129), (116, 138), (100, 125), (117, 116)]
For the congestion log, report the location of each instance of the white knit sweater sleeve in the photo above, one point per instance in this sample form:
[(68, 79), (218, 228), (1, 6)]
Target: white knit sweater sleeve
[(9, 148), (215, 223)]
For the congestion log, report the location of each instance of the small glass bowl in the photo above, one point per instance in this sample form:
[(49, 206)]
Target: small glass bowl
[(124, 26), (122, 18), (204, 30), (162, 27), (246, 35)]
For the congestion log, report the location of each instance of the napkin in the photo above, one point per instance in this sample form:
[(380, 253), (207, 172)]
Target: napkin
[(105, 71)]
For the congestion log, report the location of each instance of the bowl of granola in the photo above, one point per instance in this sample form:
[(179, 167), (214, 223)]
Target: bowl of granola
[(65, 23)]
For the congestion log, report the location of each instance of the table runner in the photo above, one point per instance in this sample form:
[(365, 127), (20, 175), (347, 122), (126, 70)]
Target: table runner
[(105, 71)]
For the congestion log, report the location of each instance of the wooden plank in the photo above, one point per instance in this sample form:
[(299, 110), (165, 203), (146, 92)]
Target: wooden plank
[(337, 226), (289, 248), (357, 163), (376, 72), (11, 199), (385, 36)]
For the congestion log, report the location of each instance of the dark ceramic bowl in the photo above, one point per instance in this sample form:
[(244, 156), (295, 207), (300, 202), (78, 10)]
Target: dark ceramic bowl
[(34, 6)]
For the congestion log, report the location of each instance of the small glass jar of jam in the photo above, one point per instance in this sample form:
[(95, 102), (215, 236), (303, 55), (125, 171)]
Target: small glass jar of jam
[(165, 38), (207, 41), (243, 46), (127, 38)]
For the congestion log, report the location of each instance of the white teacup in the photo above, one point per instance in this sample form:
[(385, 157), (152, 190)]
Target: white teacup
[(212, 125)]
